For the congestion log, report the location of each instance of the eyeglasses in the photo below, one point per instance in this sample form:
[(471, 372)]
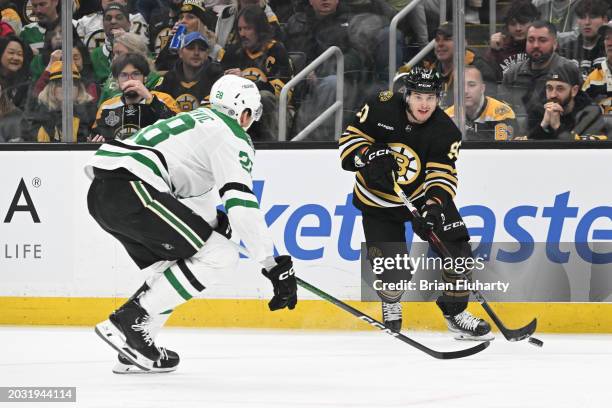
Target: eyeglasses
[(124, 76)]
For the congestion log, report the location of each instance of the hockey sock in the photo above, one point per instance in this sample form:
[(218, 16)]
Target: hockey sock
[(452, 302), (176, 286)]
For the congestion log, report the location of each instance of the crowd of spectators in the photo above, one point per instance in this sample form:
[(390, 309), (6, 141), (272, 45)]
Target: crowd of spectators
[(546, 73)]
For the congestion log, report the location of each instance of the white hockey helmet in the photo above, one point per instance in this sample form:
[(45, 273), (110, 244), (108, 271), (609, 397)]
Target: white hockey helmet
[(232, 95)]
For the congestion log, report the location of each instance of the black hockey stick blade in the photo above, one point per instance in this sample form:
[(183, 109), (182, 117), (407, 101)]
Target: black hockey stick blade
[(510, 334), (442, 355)]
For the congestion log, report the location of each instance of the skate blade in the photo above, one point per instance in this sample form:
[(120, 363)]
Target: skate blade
[(468, 337), (114, 338), (132, 369)]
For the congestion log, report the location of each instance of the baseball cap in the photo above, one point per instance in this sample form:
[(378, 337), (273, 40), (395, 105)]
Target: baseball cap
[(604, 28), (195, 7), (445, 30), (117, 6), (565, 73), (195, 36)]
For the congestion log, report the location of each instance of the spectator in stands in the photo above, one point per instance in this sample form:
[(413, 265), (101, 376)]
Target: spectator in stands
[(486, 118), (598, 84), (444, 49), (587, 48), (262, 60), (80, 58), (15, 58), (11, 120), (47, 16), (560, 13), (324, 23), (568, 114), (47, 117), (11, 22), (196, 18), (524, 83), (161, 20), (137, 107), (90, 28), (116, 21), (226, 29), (191, 79), (507, 48), (128, 43)]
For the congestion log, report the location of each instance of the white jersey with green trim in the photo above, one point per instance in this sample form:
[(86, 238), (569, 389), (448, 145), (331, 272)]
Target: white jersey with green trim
[(189, 155)]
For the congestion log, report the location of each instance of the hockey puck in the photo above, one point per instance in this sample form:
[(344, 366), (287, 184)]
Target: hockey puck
[(535, 342)]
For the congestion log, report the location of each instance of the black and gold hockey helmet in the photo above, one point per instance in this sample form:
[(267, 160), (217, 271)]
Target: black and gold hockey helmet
[(418, 80)]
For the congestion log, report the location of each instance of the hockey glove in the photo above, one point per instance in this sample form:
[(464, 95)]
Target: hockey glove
[(283, 280), (379, 167), (431, 219), (223, 225)]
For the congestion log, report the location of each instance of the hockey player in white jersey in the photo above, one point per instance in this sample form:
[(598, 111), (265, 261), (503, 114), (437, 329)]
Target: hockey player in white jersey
[(138, 193)]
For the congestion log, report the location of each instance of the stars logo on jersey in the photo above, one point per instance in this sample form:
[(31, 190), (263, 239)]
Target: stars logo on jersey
[(112, 119), (384, 96), (408, 161)]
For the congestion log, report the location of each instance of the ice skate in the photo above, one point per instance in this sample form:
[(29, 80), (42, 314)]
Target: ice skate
[(127, 331), (392, 315), (167, 363), (469, 327)]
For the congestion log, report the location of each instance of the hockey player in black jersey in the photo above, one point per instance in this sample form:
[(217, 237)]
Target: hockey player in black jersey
[(405, 137)]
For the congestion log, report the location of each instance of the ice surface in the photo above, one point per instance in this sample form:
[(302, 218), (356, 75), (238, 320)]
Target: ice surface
[(257, 368)]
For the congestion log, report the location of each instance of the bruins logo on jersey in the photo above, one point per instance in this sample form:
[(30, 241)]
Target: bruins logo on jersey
[(408, 161), (125, 131), (270, 61), (501, 110), (161, 39), (187, 102), (254, 74), (95, 40), (384, 96), (28, 12)]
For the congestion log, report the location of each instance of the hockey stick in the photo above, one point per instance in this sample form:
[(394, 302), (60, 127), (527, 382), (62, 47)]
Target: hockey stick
[(442, 355), (510, 334)]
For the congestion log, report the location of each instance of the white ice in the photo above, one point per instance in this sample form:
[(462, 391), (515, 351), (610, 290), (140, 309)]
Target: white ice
[(256, 368)]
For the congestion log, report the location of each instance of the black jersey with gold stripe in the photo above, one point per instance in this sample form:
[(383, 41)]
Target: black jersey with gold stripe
[(270, 68), (494, 121), (598, 86), (426, 153)]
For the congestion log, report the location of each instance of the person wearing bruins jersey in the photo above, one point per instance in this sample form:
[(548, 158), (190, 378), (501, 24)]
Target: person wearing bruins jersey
[(486, 118), (405, 137), (264, 61), (598, 84), (191, 79), (122, 116)]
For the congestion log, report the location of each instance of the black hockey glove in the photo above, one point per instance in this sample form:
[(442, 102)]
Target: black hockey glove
[(379, 167), (223, 225), (283, 280), (431, 219)]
